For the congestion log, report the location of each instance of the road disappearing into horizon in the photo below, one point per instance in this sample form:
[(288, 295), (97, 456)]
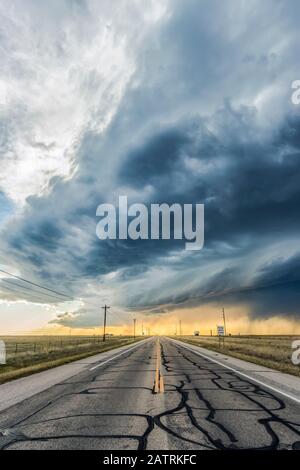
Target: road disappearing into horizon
[(155, 395)]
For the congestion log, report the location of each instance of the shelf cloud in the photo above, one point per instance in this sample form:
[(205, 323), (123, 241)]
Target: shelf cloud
[(168, 102)]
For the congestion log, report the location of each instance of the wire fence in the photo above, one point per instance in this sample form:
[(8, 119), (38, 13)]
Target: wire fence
[(19, 350)]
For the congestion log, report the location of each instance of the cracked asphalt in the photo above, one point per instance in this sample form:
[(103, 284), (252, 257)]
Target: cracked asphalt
[(205, 406)]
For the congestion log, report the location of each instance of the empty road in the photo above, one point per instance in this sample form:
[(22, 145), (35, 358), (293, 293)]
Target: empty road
[(112, 406)]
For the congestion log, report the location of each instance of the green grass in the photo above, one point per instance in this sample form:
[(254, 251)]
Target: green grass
[(269, 351), (30, 354)]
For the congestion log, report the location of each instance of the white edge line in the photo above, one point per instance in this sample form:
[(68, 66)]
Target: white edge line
[(291, 397), (118, 355)]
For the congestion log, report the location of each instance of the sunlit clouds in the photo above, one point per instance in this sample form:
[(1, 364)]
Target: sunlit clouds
[(163, 102)]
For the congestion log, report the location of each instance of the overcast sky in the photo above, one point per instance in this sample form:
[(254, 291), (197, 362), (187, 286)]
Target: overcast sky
[(162, 101)]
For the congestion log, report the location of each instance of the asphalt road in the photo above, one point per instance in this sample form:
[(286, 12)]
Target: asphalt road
[(112, 406)]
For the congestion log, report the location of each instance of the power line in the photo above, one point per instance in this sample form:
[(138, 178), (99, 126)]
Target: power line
[(18, 288), (52, 293), (31, 289), (69, 297), (37, 298), (29, 299), (37, 285)]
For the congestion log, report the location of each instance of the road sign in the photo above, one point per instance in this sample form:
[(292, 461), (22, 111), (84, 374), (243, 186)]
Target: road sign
[(220, 330)]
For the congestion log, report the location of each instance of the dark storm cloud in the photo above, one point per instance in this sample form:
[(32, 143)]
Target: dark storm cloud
[(45, 234), (207, 119), (275, 290), (249, 185), (158, 157), (251, 193)]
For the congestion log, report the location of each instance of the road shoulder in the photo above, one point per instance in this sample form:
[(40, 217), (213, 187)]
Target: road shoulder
[(285, 384), (15, 391)]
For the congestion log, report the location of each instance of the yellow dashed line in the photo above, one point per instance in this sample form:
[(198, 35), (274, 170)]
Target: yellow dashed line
[(159, 386)]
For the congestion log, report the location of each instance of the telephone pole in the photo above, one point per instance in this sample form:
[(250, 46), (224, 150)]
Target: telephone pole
[(180, 331), (224, 321), (105, 308), (134, 320)]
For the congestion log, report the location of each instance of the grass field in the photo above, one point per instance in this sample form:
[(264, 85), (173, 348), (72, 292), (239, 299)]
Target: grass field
[(29, 354), (270, 351)]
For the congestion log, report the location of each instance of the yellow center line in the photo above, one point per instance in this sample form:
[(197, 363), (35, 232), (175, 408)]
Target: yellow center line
[(159, 381)]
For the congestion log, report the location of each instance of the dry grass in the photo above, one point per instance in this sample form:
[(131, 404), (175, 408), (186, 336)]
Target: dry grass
[(269, 351), (30, 354)]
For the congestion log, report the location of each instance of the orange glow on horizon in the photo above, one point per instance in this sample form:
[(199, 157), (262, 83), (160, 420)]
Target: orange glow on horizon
[(203, 319)]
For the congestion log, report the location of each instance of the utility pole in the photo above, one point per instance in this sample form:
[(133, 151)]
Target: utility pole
[(134, 320), (142, 329), (180, 331), (224, 321), (105, 308)]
